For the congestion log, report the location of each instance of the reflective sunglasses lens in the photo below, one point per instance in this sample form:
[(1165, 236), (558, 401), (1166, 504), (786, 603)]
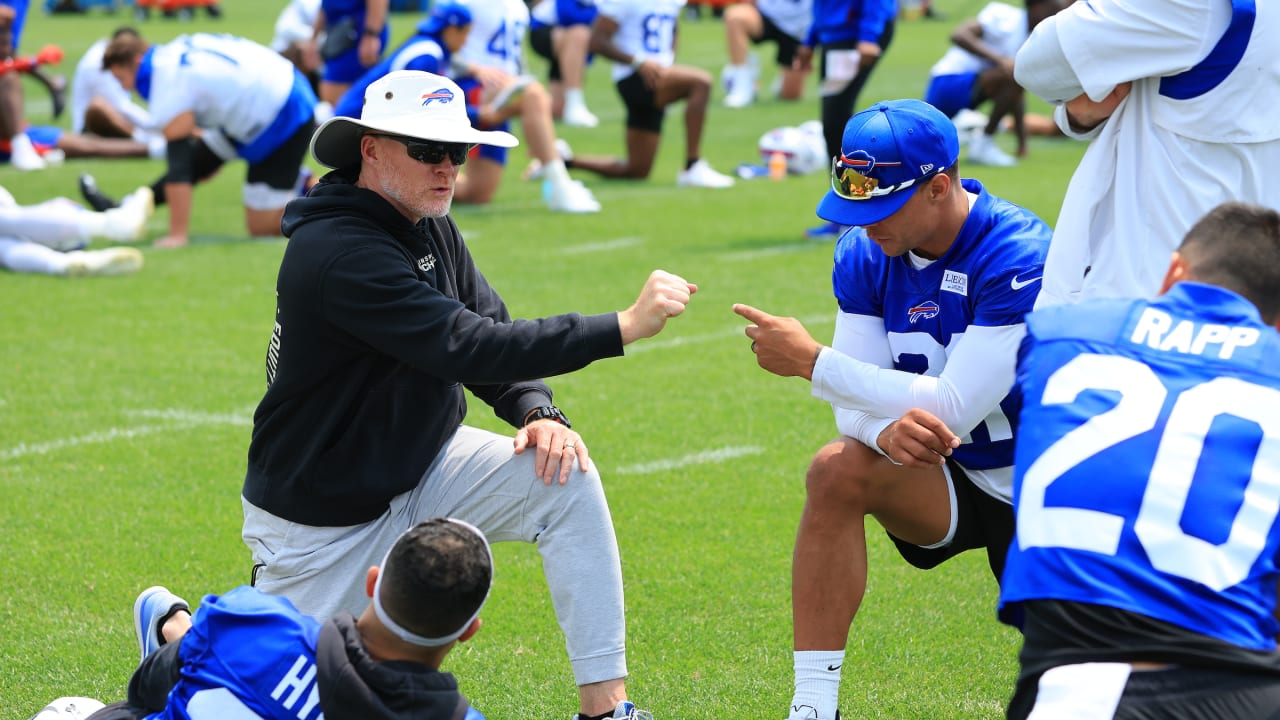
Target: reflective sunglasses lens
[(434, 153)]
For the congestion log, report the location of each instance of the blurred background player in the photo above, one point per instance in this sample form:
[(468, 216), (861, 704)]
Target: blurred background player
[(101, 106), (785, 22), (247, 654), (23, 155), (50, 237), (853, 34), (979, 68), (1147, 491), (640, 37), (490, 70), (561, 33), (294, 39), (349, 36), (252, 96)]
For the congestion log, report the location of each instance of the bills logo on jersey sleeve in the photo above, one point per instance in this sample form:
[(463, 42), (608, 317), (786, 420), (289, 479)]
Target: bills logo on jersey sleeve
[(444, 95), (924, 311)]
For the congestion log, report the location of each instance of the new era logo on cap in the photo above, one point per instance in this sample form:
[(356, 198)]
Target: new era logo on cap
[(884, 151)]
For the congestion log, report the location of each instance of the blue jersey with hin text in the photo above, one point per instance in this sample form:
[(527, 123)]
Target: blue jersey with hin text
[(988, 277), (1148, 466)]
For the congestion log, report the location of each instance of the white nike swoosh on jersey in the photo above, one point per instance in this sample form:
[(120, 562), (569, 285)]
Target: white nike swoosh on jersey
[(1016, 285)]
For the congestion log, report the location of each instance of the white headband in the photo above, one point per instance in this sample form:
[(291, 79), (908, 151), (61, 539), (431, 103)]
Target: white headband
[(408, 635)]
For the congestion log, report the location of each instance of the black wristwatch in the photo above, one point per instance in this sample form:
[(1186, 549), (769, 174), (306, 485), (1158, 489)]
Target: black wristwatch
[(547, 412), (372, 33)]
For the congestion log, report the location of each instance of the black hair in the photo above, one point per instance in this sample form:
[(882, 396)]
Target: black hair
[(436, 577)]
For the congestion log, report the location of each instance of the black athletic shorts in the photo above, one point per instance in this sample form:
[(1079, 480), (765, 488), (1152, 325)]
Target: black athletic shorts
[(643, 112), (982, 521), (786, 44), (279, 170), (1181, 693), (540, 41)]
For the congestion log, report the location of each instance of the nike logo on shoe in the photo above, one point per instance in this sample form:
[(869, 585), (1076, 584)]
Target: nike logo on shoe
[(1018, 285)]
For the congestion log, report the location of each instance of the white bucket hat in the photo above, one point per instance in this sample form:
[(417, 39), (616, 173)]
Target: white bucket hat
[(409, 103)]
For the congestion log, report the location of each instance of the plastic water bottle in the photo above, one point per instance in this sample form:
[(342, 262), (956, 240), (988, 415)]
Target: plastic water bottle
[(777, 166)]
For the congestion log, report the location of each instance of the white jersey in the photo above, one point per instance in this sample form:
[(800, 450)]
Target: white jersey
[(1004, 29), (1198, 128), (645, 27), (91, 81), (296, 23), (497, 35), (792, 17), (232, 84)]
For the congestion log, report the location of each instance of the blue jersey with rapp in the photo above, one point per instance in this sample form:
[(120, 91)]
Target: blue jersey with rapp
[(247, 654), (420, 52), (1148, 466), (989, 277)]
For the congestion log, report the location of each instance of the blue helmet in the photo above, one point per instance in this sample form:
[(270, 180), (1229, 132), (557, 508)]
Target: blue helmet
[(445, 13)]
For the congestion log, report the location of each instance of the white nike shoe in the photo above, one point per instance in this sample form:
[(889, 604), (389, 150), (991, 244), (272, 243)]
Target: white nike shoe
[(127, 222), (569, 196), (984, 151), (805, 712), (579, 116), (108, 261), (701, 174)]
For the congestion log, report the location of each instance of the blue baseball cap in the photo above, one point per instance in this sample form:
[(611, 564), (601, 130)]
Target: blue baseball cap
[(885, 150), (445, 13)]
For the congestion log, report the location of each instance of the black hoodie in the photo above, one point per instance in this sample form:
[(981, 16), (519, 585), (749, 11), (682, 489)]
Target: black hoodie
[(379, 325)]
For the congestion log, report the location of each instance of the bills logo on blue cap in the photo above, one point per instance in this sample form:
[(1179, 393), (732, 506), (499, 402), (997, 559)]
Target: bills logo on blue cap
[(856, 168), (924, 311), (444, 95)]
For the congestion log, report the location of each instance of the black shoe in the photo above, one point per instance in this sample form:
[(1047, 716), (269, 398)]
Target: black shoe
[(213, 11), (58, 92), (95, 197)]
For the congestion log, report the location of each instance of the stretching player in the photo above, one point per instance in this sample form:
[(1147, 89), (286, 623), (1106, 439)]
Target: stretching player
[(248, 654), (1180, 99), (1147, 491), (561, 33), (785, 22), (932, 282), (50, 237)]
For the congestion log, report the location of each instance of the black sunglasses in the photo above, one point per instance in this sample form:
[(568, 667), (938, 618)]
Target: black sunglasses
[(432, 152)]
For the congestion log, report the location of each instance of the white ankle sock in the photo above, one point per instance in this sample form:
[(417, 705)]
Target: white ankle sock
[(574, 96), (818, 680)]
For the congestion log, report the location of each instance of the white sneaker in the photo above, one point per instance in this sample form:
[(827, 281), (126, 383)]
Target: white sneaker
[(702, 175), (127, 222), (570, 197), (966, 121), (108, 261), (984, 151), (23, 156), (741, 88), (579, 116)]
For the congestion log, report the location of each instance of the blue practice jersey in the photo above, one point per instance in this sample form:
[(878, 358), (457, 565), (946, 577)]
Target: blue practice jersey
[(420, 52), (1148, 465), (837, 21), (247, 652), (989, 277)]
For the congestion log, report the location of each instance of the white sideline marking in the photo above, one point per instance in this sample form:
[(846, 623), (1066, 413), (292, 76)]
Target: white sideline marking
[(602, 246), (738, 332), (699, 458), (177, 419), (770, 251)]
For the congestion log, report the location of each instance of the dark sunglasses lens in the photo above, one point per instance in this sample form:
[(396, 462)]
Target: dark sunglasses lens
[(433, 153)]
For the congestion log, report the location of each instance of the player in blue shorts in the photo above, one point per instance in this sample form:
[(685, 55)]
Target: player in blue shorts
[(355, 32), (13, 15), (1147, 491), (248, 654), (933, 280)]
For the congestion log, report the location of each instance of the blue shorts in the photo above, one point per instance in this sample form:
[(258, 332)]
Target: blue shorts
[(345, 69), (952, 93), (473, 91), (19, 19)]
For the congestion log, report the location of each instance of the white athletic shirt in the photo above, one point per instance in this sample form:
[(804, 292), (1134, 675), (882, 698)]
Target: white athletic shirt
[(497, 35), (1004, 28), (645, 27), (296, 23), (1160, 162), (792, 17), (232, 84), (92, 81)]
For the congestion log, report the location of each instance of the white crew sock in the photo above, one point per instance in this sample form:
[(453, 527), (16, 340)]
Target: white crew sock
[(574, 97), (554, 172), (818, 681)]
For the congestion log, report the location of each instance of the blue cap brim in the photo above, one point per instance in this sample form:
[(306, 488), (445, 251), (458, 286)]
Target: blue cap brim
[(836, 209)]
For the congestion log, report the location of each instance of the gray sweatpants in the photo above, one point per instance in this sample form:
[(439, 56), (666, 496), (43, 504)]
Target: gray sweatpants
[(476, 478)]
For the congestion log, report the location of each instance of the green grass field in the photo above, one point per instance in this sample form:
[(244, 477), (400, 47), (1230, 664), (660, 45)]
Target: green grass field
[(125, 407)]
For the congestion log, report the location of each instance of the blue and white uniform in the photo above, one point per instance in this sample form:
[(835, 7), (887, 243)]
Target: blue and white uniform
[(497, 35), (646, 28), (939, 335), (952, 78), (1147, 489), (1197, 129), (421, 52)]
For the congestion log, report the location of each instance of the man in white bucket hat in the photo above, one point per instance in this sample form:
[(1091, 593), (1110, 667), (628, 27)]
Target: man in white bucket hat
[(382, 319)]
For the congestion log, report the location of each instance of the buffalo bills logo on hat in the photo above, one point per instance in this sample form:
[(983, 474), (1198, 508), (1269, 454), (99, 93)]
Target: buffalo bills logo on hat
[(924, 311), (444, 95), (855, 170)]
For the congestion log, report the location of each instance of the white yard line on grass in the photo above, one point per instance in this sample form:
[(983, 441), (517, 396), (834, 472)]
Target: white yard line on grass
[(177, 419), (602, 246), (699, 458)]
